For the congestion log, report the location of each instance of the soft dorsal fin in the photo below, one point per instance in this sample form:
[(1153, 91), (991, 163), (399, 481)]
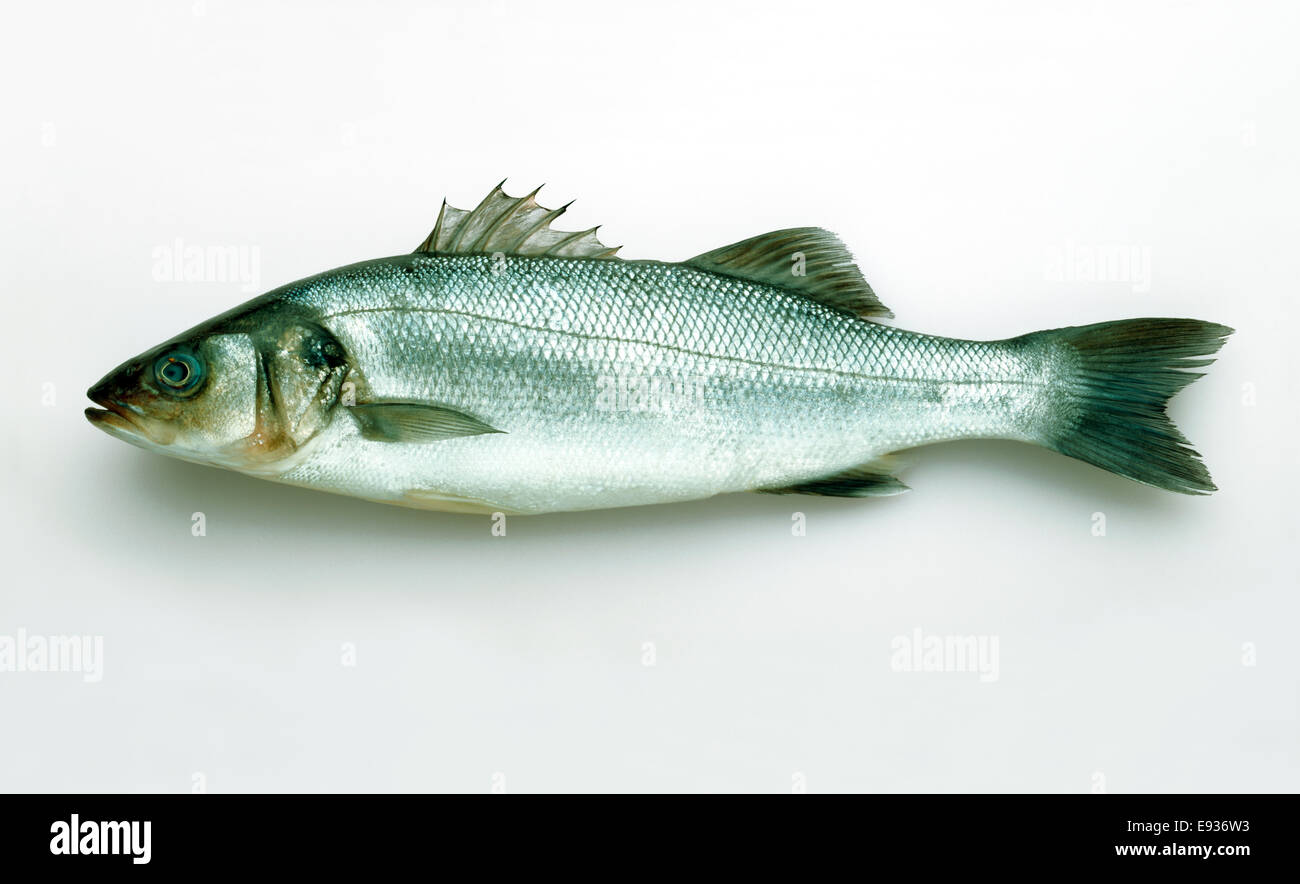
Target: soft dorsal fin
[(512, 225), (806, 260)]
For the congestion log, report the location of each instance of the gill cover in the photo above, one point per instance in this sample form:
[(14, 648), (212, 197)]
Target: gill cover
[(302, 368)]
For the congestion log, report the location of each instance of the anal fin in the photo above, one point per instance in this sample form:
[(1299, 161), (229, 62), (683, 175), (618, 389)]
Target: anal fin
[(448, 502), (874, 479)]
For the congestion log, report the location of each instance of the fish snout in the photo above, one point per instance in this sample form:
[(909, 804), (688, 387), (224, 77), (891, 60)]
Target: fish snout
[(113, 398)]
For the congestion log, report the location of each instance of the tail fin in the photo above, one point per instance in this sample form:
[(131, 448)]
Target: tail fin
[(1114, 384)]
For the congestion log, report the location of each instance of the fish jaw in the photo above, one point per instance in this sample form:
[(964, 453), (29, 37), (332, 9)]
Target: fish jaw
[(115, 420), (117, 417), (115, 423), (244, 457)]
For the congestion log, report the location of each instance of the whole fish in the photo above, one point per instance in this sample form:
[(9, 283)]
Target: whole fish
[(505, 366)]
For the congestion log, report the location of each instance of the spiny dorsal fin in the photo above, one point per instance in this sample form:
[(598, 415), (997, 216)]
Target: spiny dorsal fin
[(512, 225), (806, 260)]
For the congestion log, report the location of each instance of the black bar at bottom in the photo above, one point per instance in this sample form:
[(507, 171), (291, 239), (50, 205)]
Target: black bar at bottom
[(637, 834)]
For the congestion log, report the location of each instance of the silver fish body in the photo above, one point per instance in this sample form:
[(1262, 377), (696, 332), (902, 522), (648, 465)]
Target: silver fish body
[(506, 367), (620, 383)]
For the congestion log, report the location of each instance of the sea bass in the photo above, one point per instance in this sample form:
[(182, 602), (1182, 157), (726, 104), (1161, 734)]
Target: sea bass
[(505, 366)]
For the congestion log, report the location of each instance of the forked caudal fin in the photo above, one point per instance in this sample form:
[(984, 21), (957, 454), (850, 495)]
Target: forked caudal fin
[(1112, 390)]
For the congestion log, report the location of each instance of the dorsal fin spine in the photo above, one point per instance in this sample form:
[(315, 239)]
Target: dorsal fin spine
[(486, 235), (513, 226), (468, 221), (431, 242), (546, 220), (506, 216), (555, 247)]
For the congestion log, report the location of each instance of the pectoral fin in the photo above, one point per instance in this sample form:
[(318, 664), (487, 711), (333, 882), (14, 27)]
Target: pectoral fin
[(415, 422)]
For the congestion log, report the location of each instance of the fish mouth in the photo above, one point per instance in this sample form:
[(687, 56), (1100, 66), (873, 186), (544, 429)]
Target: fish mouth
[(114, 418)]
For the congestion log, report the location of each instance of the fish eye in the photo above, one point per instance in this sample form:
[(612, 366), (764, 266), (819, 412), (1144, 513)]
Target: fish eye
[(178, 372)]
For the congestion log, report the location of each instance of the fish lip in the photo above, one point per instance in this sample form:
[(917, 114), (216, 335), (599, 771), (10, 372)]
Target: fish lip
[(113, 415), (102, 417)]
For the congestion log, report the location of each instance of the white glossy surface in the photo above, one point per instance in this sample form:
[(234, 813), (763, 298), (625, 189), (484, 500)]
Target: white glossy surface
[(959, 152)]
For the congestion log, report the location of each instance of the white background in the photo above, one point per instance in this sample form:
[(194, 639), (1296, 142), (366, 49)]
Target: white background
[(954, 147)]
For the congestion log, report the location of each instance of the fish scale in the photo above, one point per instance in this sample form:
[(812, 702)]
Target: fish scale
[(781, 388), (507, 366)]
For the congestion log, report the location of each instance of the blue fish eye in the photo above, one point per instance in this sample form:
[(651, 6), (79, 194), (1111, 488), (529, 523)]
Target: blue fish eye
[(178, 372)]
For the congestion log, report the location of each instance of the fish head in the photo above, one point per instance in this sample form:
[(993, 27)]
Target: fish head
[(245, 393)]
